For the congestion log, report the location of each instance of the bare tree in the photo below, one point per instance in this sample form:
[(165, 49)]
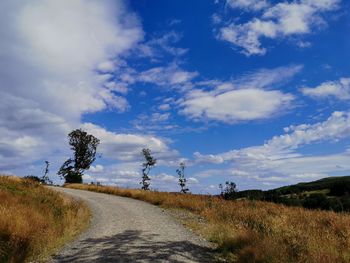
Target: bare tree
[(45, 179), (182, 179), (147, 166)]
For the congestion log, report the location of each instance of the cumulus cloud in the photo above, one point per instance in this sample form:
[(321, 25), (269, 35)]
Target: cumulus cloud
[(55, 58), (281, 20), (243, 99), (280, 156), (127, 147), (339, 89), (235, 105)]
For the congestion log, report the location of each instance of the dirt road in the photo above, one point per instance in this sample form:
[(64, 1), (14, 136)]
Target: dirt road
[(127, 230)]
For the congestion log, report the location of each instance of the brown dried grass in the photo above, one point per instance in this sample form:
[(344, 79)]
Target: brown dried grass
[(35, 220), (255, 231)]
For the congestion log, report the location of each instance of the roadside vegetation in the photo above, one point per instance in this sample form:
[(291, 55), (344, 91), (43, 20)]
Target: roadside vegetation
[(35, 220), (254, 231)]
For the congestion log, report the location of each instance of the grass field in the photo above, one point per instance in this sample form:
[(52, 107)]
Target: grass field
[(255, 231), (35, 221)]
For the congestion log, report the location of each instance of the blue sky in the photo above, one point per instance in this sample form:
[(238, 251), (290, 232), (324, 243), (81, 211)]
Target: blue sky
[(254, 92)]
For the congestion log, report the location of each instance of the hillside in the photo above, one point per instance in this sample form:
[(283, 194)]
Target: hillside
[(330, 193), (35, 220), (324, 183)]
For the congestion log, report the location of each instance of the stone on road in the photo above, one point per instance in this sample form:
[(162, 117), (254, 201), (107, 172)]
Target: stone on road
[(128, 230)]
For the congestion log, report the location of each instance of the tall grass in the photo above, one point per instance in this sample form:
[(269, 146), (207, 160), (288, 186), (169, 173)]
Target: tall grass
[(34, 220), (255, 231)]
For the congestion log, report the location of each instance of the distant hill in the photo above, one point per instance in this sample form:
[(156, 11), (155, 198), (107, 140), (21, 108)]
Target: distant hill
[(331, 193), (324, 183)]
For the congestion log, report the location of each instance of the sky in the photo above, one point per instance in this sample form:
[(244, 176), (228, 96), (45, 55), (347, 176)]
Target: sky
[(251, 91)]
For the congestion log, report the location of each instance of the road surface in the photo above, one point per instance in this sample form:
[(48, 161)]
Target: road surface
[(128, 230)]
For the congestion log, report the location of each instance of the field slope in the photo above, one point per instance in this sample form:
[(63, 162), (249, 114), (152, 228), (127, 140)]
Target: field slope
[(35, 220)]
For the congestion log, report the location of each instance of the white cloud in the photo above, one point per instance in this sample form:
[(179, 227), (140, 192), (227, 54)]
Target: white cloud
[(166, 76), (164, 107), (280, 156), (192, 180), (51, 54), (127, 147), (96, 169), (248, 4), (106, 66), (153, 47), (277, 21), (339, 89), (170, 76), (243, 99), (235, 105), (50, 50)]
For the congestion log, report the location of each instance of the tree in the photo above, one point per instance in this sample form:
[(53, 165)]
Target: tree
[(84, 146), (182, 179), (229, 191), (147, 166), (45, 178)]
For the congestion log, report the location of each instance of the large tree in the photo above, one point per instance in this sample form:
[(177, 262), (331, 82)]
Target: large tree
[(147, 166), (84, 146)]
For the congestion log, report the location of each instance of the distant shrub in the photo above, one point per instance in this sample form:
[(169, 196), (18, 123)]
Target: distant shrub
[(34, 178), (250, 194), (228, 191)]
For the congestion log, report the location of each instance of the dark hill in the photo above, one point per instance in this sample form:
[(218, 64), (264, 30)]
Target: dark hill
[(331, 193)]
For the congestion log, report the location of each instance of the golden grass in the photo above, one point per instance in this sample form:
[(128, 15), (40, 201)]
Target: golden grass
[(255, 231), (34, 220)]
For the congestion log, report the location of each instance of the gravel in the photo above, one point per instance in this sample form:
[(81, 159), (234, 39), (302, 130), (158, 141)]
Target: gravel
[(128, 230)]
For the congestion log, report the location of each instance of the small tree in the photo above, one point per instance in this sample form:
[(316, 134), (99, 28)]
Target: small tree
[(182, 179), (84, 146), (229, 191), (45, 179), (147, 166)]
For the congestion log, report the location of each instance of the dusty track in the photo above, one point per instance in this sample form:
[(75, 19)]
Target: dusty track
[(127, 230)]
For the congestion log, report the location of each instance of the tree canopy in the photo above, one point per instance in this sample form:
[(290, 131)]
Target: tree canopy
[(84, 146)]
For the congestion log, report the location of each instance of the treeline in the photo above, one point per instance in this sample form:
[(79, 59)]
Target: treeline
[(84, 147), (327, 194)]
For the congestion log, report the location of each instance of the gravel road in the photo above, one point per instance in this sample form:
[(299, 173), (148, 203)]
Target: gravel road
[(128, 230)]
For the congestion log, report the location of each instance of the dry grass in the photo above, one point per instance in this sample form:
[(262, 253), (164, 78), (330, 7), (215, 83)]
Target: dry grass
[(254, 231), (34, 220)]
